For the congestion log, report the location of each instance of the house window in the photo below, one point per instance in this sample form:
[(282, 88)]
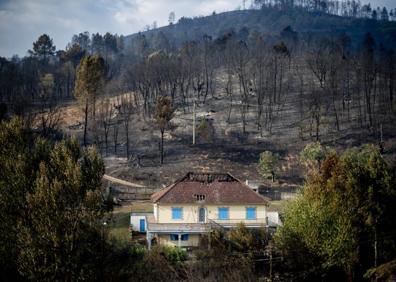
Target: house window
[(175, 237), (177, 213), (251, 213), (224, 213)]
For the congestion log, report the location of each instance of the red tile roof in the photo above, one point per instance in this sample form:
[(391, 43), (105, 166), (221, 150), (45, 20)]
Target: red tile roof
[(215, 188)]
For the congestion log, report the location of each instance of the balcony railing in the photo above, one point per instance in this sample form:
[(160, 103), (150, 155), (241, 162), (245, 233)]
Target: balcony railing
[(153, 226), (178, 227)]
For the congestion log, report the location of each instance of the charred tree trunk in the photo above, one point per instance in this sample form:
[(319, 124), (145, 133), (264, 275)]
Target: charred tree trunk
[(162, 146), (115, 137)]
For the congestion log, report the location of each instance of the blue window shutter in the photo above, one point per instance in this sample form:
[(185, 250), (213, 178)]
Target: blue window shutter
[(184, 237), (224, 213), (177, 213), (251, 213), (174, 237)]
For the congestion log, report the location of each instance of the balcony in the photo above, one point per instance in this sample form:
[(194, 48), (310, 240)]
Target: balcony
[(152, 226)]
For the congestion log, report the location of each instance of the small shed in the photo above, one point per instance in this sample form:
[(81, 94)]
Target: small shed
[(138, 222), (273, 219)]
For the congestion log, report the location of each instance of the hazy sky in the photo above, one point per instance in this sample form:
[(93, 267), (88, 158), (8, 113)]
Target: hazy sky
[(22, 21)]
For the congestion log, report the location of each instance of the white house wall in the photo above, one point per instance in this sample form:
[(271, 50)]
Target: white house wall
[(135, 222)]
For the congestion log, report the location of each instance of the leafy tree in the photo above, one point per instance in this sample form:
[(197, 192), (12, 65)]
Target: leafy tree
[(54, 231), (61, 238), (313, 154), (43, 48), (206, 130), (344, 213), (243, 239), (267, 164), (164, 270), (16, 172), (89, 83), (51, 207), (175, 255), (163, 115), (230, 256)]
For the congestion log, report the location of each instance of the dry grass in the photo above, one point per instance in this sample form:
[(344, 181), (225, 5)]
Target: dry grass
[(278, 206), (119, 226), (144, 206)]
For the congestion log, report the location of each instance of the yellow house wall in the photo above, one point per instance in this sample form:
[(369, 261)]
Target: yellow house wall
[(193, 241), (155, 211), (237, 213)]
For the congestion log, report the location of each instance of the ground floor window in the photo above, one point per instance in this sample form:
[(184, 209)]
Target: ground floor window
[(175, 237)]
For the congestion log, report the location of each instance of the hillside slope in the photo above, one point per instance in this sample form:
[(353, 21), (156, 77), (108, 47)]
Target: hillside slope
[(270, 22)]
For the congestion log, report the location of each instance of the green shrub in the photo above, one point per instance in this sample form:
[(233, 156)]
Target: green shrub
[(313, 154), (174, 255), (268, 164)]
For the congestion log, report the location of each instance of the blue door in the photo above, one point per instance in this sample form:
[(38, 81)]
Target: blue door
[(142, 225)]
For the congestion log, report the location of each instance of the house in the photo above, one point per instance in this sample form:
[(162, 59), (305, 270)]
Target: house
[(199, 202)]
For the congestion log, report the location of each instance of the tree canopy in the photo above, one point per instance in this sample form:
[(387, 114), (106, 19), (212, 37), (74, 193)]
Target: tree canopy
[(43, 48), (164, 113), (89, 83), (345, 212), (90, 75), (314, 154), (267, 164), (51, 206)]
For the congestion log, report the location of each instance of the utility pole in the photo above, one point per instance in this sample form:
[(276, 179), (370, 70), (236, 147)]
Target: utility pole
[(194, 117)]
